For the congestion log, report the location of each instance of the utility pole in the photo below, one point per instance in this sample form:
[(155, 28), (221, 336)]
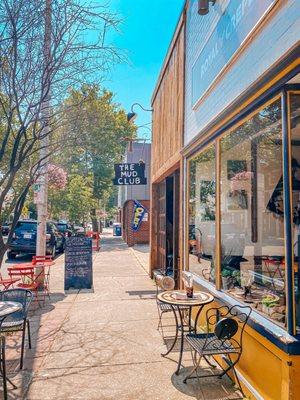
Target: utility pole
[(45, 110)]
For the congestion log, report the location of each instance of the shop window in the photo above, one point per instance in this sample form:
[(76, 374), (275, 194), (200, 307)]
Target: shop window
[(202, 210), (295, 172), (252, 216)]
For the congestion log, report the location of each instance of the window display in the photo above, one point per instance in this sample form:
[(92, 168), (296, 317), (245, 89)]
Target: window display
[(202, 209), (252, 222)]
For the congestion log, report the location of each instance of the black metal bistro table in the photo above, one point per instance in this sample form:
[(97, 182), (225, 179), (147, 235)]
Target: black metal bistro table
[(179, 302), (6, 308)]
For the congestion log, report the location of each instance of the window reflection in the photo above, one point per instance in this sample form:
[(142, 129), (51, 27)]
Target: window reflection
[(252, 222), (202, 214)]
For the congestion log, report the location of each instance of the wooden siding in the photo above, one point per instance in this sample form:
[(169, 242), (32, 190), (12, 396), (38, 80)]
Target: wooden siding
[(167, 103)]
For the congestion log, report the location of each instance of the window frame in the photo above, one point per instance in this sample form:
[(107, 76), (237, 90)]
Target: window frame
[(282, 93)]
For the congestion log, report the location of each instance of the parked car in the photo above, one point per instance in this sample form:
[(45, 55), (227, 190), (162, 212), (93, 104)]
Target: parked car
[(5, 228), (24, 239), (64, 228), (79, 230)]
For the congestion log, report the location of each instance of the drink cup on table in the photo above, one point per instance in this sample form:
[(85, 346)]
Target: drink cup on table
[(187, 278)]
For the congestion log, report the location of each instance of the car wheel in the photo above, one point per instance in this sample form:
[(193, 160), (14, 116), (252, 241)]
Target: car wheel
[(11, 256)]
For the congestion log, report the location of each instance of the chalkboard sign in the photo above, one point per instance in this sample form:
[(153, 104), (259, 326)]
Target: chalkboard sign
[(78, 263)]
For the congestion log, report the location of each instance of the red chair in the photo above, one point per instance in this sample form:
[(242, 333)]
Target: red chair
[(44, 262), (29, 279), (7, 282), (42, 259)]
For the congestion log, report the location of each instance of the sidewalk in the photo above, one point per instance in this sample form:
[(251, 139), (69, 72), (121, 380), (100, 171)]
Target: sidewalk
[(103, 345)]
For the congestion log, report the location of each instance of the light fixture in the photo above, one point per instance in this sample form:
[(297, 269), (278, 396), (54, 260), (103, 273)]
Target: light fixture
[(203, 6), (131, 116)]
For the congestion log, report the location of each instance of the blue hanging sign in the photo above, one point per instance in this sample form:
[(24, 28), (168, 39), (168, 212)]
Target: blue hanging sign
[(138, 214), (234, 26)]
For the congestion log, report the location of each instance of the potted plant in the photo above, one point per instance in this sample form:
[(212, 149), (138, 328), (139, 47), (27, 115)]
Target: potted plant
[(236, 275), (227, 280), (268, 302)]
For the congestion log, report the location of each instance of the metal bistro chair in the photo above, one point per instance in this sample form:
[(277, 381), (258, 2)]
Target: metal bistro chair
[(166, 283), (225, 328), (162, 282), (5, 378), (18, 321)]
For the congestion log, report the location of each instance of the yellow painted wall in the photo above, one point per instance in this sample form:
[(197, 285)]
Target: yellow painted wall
[(273, 373)]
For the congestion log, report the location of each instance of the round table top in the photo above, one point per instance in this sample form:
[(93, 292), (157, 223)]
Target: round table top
[(179, 298), (9, 307)]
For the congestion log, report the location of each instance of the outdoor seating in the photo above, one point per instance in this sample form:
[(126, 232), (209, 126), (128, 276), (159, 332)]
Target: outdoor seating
[(36, 260), (7, 282), (225, 327), (18, 321), (7, 308), (162, 282), (29, 280)]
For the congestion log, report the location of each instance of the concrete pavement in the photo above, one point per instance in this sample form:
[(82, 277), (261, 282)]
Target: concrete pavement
[(104, 345)]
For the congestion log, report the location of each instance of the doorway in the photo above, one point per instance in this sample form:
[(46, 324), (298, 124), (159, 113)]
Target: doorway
[(168, 225)]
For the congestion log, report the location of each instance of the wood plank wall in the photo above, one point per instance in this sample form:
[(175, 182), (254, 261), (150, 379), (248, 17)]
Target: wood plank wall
[(167, 103), (167, 131)]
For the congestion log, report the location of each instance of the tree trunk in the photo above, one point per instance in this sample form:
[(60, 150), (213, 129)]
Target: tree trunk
[(3, 248)]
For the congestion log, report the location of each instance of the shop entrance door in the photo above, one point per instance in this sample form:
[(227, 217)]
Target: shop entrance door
[(161, 227), (168, 225), (172, 224)]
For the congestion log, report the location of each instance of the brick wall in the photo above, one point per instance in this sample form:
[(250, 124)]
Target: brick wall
[(143, 234)]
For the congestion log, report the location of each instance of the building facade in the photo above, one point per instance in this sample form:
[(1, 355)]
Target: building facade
[(241, 177), (166, 166), (127, 194)]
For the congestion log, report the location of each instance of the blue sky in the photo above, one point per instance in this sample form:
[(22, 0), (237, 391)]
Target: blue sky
[(145, 34)]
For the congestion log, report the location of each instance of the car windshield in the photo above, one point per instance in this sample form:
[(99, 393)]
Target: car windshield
[(26, 226), (62, 227)]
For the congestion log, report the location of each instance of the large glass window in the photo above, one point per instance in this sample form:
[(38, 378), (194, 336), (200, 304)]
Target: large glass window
[(295, 171), (252, 221), (202, 209)]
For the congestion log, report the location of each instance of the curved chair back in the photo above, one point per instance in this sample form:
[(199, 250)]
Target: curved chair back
[(228, 322), (22, 296), (164, 282)]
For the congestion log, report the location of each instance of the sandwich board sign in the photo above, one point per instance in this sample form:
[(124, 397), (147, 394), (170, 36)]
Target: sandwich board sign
[(78, 263)]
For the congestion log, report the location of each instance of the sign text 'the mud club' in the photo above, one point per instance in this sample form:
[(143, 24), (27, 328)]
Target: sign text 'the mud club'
[(130, 174)]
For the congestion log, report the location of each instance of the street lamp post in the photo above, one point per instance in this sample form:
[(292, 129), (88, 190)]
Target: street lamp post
[(45, 116)]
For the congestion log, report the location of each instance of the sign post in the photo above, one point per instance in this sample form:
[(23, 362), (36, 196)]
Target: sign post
[(78, 263)]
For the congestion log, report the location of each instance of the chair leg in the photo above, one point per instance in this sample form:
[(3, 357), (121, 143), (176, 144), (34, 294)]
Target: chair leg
[(28, 332), (209, 362), (23, 344), (3, 364), (159, 320), (196, 366), (230, 364), (236, 376)]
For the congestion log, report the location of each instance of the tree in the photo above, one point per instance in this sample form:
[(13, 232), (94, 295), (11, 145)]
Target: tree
[(80, 199), (101, 126), (78, 52)]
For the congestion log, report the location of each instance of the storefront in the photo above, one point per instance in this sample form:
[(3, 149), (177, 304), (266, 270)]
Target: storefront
[(242, 178), (166, 168)]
